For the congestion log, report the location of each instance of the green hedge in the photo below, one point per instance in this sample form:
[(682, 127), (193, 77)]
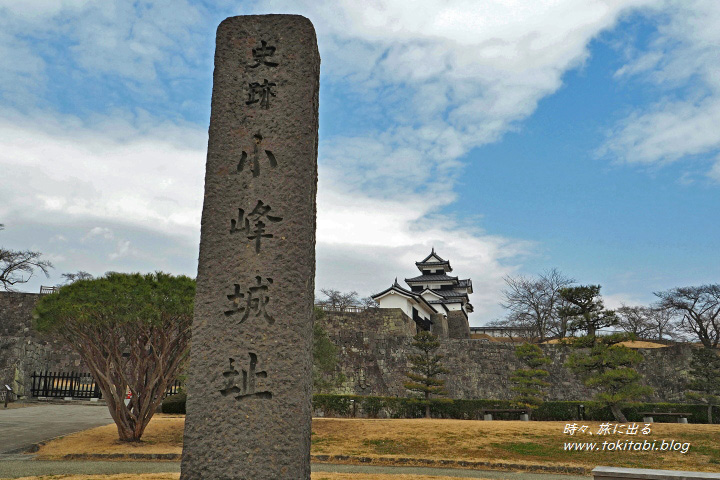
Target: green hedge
[(174, 403), (399, 407)]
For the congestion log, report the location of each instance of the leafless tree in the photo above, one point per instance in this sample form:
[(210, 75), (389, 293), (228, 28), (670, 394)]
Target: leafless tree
[(18, 266), (635, 320), (533, 302), (698, 309), (369, 303), (513, 329), (79, 275), (661, 324), (338, 300)]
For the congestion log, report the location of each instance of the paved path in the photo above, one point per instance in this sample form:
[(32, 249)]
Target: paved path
[(22, 427), (20, 468)]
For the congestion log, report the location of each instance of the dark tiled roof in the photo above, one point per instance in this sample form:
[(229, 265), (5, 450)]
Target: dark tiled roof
[(465, 283), (433, 263), (450, 299), (432, 278), (433, 254), (439, 262), (452, 293), (396, 286)]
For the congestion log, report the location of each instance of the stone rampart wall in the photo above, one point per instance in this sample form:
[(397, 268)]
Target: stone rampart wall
[(374, 362), (373, 351), (22, 350)]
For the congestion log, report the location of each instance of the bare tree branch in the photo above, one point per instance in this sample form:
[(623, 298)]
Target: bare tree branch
[(533, 302), (698, 309)]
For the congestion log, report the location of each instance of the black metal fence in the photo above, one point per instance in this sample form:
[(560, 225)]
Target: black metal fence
[(64, 384), (75, 385), (173, 388)]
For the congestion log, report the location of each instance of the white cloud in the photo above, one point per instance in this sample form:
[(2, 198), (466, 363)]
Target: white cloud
[(669, 132), (123, 249), (682, 60), (616, 300), (125, 177), (134, 42), (714, 172), (111, 171), (103, 232), (379, 239), (476, 61), (446, 75)]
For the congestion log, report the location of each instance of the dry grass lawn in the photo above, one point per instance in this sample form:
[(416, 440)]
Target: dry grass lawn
[(162, 435), (629, 343), (175, 476), (498, 441), (511, 442)]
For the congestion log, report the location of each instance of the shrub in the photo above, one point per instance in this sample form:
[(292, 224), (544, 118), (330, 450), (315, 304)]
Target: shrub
[(372, 406), (174, 403), (471, 409), (333, 405)]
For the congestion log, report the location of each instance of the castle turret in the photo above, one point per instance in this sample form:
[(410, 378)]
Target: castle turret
[(434, 292)]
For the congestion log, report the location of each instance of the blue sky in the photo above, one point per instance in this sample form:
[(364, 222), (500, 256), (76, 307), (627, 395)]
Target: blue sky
[(513, 136)]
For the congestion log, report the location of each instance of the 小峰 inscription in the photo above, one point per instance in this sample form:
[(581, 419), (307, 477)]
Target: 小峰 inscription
[(253, 224), (255, 157)]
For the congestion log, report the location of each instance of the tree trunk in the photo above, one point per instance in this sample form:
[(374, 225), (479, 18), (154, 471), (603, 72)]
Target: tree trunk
[(617, 413), (427, 404)]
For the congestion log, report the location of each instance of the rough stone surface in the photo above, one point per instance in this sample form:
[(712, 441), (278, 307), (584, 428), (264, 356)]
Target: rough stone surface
[(24, 351), (439, 325), (458, 326), (373, 356), (249, 384), (374, 360)]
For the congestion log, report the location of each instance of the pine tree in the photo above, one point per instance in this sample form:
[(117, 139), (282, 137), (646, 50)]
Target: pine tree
[(705, 378), (610, 367), (584, 309), (426, 368), (529, 382)]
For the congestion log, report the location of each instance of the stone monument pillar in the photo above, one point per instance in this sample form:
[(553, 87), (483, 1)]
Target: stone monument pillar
[(250, 381)]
